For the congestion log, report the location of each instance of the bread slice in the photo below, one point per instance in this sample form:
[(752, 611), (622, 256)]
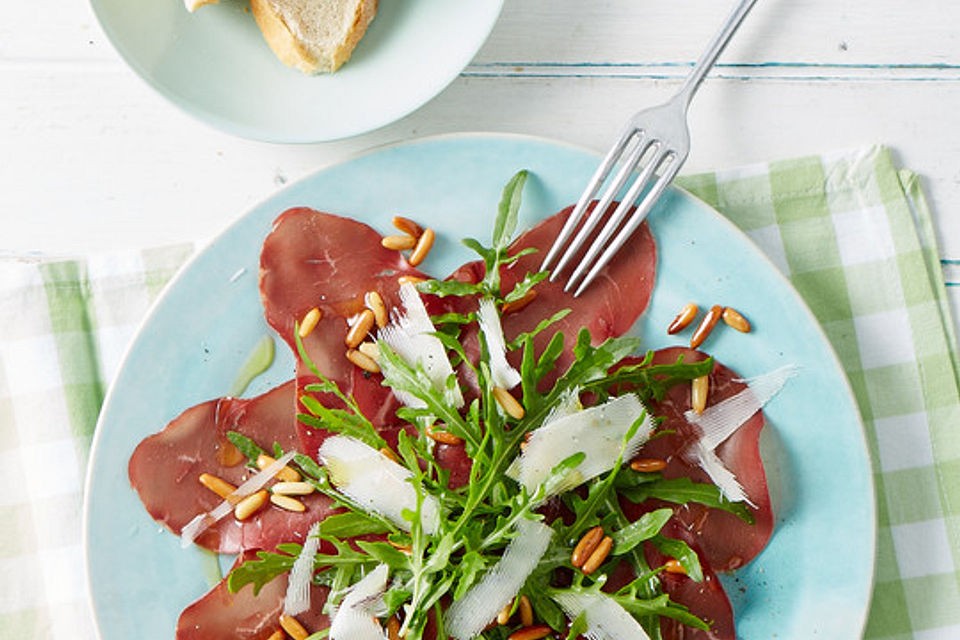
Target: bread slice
[(313, 35)]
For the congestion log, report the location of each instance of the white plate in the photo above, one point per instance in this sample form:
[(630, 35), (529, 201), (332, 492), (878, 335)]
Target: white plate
[(215, 65)]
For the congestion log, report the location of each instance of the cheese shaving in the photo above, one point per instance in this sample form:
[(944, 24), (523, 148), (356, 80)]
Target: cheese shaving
[(375, 482), (725, 480), (192, 530), (598, 432), (501, 373), (718, 422), (355, 618), (606, 619), (469, 615), (297, 599), (410, 336)]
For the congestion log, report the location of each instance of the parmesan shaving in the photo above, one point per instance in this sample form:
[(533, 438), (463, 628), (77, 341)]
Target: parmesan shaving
[(355, 618), (598, 432), (718, 422), (410, 336), (297, 599), (376, 482), (192, 530), (606, 619), (502, 374), (725, 480), (469, 615)]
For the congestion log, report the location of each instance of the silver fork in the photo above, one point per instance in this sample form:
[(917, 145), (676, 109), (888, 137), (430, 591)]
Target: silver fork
[(657, 140)]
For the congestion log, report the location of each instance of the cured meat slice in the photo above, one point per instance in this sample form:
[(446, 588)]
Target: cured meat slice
[(165, 467), (705, 599), (314, 259), (727, 541), (608, 308), (221, 615)]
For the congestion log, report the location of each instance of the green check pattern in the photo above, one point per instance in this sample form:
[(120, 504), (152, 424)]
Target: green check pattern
[(852, 233)]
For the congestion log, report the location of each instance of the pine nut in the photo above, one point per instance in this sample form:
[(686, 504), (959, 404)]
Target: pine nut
[(673, 566), (531, 633), (414, 280), (218, 485), (648, 465), (443, 437), (287, 503), (588, 543), (405, 548), (407, 226), (250, 505), (526, 611), (736, 320), (293, 627), (508, 403), (393, 628), (374, 302), (388, 452), (424, 244), (684, 318), (598, 556), (370, 349), (706, 326), (227, 454), (363, 361), (309, 322), (360, 328), (292, 488), (504, 616), (286, 474), (277, 635), (699, 388), (399, 243), (520, 303)]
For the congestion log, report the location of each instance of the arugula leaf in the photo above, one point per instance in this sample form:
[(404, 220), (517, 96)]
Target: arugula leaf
[(661, 606), (444, 288), (523, 287), (542, 326), (643, 528), (680, 550), (247, 447), (350, 525), (267, 566), (578, 627), (506, 222), (682, 490)]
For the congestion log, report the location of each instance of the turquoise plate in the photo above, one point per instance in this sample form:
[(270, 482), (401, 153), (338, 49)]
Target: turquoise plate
[(215, 65), (812, 581)]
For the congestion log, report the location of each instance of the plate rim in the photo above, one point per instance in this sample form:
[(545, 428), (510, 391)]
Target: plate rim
[(461, 135), (216, 121)]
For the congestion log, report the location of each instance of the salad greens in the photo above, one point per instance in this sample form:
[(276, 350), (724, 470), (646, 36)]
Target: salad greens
[(479, 520)]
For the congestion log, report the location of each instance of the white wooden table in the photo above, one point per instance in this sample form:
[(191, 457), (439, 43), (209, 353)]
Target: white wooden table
[(93, 159)]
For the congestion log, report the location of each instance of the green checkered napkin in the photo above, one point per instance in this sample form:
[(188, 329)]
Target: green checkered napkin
[(851, 232)]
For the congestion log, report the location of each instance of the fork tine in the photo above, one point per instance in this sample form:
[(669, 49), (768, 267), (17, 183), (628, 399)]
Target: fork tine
[(638, 216), (599, 176), (626, 169), (612, 224)]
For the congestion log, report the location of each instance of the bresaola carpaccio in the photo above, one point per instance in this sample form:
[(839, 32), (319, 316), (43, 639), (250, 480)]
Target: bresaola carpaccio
[(313, 259)]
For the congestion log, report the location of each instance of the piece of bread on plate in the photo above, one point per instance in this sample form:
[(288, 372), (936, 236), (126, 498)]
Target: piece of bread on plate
[(313, 35)]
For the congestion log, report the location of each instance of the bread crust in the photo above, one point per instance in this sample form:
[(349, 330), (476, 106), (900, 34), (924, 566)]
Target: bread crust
[(297, 54), (280, 38)]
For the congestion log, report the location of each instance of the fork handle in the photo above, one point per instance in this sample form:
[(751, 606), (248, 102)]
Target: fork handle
[(716, 47)]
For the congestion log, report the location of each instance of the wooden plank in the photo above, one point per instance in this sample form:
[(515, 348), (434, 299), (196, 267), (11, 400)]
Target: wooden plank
[(137, 171), (880, 32)]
